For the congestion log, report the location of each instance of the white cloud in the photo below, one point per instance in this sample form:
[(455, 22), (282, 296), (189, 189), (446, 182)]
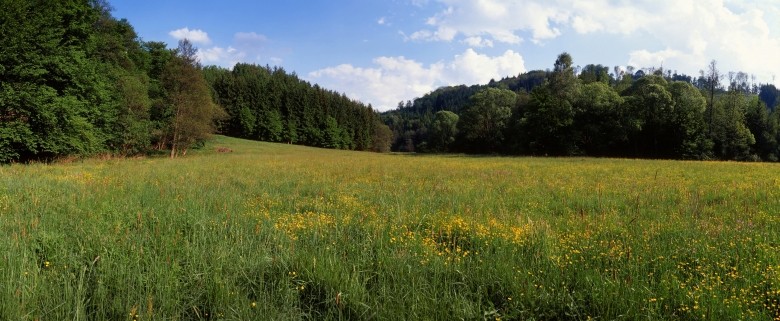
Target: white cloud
[(695, 32), (471, 67), (381, 21), (644, 58), (500, 20), (586, 24), (196, 36), (419, 35), (445, 33), (221, 56), (685, 34), (478, 42), (393, 79), (245, 47)]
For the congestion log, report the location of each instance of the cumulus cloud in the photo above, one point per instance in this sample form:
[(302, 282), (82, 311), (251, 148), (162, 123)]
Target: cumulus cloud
[(221, 56), (685, 34), (196, 36), (393, 79), (478, 42), (245, 47), (508, 21), (695, 32), (500, 20), (645, 58), (471, 67)]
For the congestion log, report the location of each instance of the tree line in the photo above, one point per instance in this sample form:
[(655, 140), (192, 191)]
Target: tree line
[(595, 111), (268, 104), (75, 81)]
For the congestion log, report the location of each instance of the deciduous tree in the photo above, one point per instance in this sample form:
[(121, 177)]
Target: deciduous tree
[(600, 121), (53, 99), (188, 97), (732, 138), (443, 131), (547, 119), (484, 122)]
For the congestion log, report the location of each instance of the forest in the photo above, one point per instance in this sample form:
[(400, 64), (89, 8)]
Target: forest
[(77, 82), (268, 104), (596, 111)]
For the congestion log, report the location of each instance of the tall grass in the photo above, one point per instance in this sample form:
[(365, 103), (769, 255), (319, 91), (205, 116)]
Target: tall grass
[(279, 232)]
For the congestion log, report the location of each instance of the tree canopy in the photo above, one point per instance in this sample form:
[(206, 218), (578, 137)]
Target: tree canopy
[(268, 104), (629, 112), (75, 81)]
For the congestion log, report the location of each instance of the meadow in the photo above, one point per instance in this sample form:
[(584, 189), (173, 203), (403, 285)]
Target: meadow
[(282, 232)]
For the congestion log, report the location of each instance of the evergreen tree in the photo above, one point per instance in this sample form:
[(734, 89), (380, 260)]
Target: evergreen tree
[(764, 128)]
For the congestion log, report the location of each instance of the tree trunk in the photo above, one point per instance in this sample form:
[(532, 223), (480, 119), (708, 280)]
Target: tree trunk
[(176, 119)]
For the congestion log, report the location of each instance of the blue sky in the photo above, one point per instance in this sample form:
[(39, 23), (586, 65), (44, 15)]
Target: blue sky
[(383, 52)]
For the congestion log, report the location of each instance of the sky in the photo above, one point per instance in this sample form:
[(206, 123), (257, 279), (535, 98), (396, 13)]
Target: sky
[(382, 52)]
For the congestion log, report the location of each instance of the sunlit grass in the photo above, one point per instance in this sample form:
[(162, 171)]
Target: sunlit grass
[(272, 231)]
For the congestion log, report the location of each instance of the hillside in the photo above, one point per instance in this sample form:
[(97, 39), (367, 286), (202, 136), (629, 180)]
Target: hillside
[(78, 82)]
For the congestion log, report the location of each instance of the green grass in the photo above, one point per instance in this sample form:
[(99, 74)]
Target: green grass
[(280, 232)]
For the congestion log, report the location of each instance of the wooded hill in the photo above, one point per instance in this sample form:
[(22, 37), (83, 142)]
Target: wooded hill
[(75, 81), (271, 105), (592, 111)]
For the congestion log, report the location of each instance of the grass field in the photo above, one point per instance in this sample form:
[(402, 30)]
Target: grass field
[(281, 232)]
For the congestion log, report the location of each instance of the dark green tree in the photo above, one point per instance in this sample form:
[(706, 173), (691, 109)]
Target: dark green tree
[(333, 134), (770, 95), (652, 106), (731, 137), (54, 101), (546, 121), (764, 128), (595, 73), (688, 126), (483, 124), (268, 104), (601, 122), (125, 64), (443, 131), (270, 126)]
